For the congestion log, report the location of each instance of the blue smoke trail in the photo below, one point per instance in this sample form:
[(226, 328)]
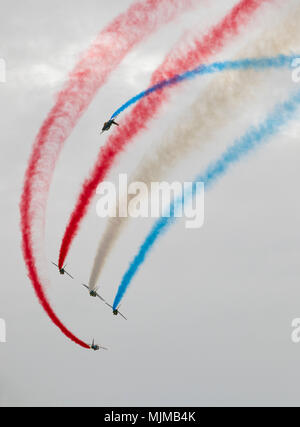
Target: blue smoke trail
[(243, 64), (242, 146)]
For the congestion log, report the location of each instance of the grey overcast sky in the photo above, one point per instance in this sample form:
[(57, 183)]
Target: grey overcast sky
[(210, 312)]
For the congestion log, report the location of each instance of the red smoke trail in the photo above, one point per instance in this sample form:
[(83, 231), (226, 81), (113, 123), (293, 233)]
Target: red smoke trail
[(109, 48), (176, 63)]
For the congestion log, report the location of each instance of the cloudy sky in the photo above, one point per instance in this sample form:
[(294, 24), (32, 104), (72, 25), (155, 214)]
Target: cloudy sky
[(210, 312)]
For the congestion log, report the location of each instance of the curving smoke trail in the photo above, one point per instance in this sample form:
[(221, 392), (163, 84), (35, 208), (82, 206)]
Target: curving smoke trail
[(92, 71), (176, 62), (242, 64), (254, 137), (213, 108)]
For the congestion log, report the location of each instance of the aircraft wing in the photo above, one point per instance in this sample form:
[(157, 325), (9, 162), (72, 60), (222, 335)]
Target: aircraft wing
[(54, 264), (122, 315), (69, 274), (109, 305), (99, 296)]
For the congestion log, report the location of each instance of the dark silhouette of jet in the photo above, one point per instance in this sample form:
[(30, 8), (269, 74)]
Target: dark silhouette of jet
[(108, 124)]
